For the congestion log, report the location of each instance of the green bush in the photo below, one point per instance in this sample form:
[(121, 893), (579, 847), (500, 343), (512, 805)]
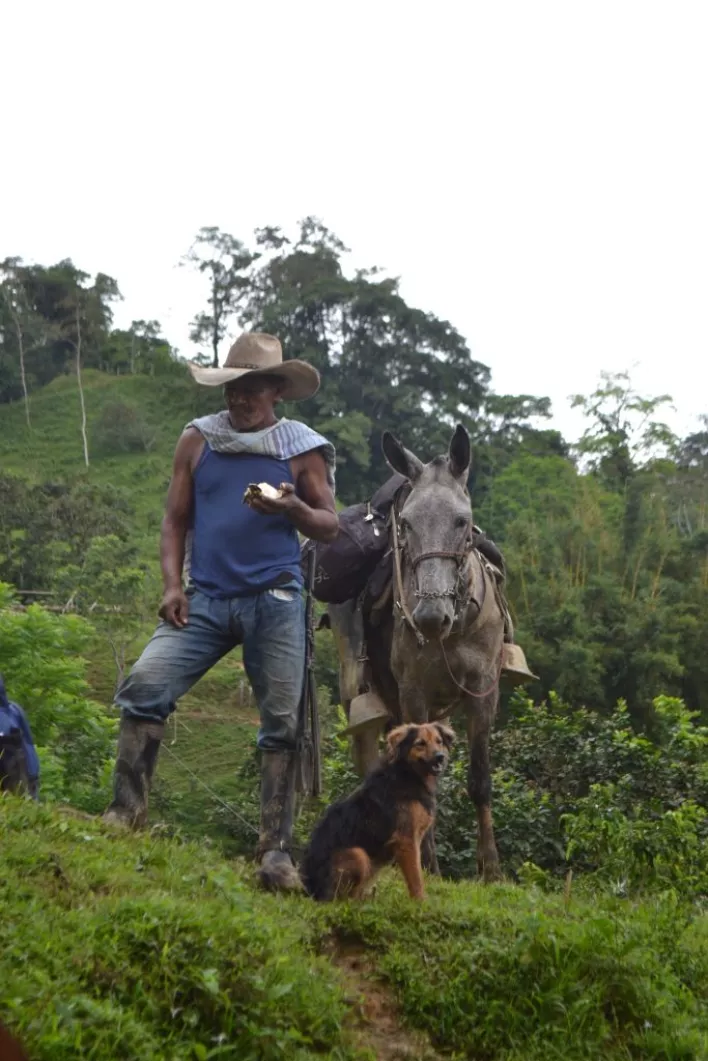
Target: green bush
[(141, 946), (121, 428), (41, 660), (639, 849)]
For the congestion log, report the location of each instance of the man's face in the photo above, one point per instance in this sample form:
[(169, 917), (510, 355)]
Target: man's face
[(251, 402)]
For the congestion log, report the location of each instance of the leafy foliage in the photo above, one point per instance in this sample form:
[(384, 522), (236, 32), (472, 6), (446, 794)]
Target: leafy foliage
[(113, 588), (41, 523), (40, 658), (576, 789)]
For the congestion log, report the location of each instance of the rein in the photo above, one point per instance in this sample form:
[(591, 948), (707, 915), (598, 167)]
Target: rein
[(401, 602), (462, 688)]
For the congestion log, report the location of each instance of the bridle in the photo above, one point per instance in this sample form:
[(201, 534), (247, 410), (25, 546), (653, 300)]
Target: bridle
[(459, 596), (459, 556), (458, 593)]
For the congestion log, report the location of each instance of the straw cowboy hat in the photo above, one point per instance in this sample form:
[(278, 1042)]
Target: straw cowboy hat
[(256, 352)]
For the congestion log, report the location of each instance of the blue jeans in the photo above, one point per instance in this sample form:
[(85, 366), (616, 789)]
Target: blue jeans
[(271, 628)]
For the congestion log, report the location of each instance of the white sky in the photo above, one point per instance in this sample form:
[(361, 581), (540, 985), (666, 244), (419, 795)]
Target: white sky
[(535, 172)]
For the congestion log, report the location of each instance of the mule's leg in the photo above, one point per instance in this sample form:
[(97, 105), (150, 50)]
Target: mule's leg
[(413, 705), (479, 787)]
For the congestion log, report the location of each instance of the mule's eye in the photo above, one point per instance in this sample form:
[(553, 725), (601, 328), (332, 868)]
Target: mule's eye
[(461, 522)]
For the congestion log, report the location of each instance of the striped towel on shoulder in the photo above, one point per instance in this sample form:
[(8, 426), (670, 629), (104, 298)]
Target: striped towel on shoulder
[(284, 440)]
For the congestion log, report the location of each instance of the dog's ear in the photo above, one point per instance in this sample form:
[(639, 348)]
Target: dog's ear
[(447, 735), (395, 740)]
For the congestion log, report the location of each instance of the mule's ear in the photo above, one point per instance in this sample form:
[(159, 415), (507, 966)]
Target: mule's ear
[(399, 458), (460, 454), (395, 740), (447, 735)]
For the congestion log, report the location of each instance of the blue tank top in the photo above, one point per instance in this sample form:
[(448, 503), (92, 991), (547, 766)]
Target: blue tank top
[(236, 551)]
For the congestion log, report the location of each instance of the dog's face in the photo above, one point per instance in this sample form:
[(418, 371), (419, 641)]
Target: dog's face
[(425, 748)]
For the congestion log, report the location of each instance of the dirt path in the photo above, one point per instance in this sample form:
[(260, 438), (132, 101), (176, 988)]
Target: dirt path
[(375, 1016)]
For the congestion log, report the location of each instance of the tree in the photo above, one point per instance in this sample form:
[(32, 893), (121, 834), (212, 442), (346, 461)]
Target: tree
[(623, 432), (221, 259), (25, 323), (383, 363), (89, 310), (42, 524)]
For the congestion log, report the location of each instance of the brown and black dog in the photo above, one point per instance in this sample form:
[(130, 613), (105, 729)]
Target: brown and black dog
[(383, 821)]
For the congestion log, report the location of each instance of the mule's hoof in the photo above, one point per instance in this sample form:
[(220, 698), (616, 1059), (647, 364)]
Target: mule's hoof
[(117, 820), (277, 873)]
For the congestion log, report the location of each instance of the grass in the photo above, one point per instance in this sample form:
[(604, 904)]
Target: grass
[(152, 947)]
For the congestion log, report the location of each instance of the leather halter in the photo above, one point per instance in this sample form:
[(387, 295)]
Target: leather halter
[(458, 594)]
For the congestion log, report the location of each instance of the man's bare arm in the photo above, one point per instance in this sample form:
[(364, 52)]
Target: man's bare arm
[(175, 524), (310, 503)]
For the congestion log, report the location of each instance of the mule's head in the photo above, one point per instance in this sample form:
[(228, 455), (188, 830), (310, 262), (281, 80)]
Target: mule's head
[(435, 525)]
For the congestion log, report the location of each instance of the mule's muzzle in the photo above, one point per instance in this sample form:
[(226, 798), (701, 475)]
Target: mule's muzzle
[(434, 618)]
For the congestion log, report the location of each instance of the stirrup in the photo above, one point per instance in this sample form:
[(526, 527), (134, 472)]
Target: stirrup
[(515, 669)]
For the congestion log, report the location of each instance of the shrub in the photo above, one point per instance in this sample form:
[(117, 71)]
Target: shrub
[(640, 848), (120, 428), (40, 657)]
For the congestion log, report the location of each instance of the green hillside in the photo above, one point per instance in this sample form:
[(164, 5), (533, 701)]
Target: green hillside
[(53, 450), (150, 948)]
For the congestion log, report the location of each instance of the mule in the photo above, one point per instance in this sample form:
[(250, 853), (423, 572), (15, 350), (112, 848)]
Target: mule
[(438, 646)]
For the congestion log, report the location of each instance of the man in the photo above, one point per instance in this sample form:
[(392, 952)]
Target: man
[(19, 763), (244, 581)]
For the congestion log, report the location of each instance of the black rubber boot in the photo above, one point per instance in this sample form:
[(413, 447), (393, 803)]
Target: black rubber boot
[(13, 763), (138, 747), (276, 871)]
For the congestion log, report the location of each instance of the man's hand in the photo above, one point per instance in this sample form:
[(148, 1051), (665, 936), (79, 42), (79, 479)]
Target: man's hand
[(310, 505), (279, 505), (175, 607)]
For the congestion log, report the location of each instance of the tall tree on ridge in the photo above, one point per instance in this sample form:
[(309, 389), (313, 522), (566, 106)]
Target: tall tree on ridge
[(24, 322), (222, 259)]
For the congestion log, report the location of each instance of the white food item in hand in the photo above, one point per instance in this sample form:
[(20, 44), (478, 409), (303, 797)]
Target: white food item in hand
[(254, 490)]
